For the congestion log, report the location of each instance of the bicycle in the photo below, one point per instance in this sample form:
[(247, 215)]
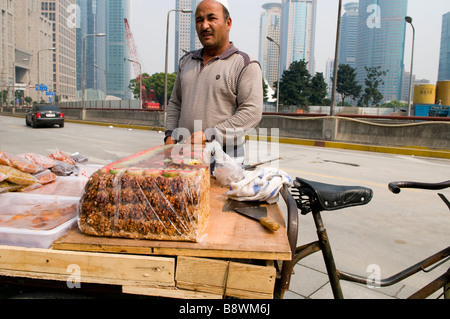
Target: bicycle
[(314, 198)]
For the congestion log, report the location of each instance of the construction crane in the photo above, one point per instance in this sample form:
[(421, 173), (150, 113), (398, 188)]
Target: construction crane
[(147, 98)]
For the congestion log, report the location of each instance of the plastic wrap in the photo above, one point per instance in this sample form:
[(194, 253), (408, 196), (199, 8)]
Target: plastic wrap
[(35, 220), (45, 177), (62, 157), (20, 162), (41, 160), (63, 168), (3, 177), (227, 170), (158, 194), (17, 177)]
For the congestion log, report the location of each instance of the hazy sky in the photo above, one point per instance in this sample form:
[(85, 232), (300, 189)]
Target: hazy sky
[(149, 22)]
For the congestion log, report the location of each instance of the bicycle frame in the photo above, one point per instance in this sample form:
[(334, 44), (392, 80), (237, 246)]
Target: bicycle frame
[(335, 276)]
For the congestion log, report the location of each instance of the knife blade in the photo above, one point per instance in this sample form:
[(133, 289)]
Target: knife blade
[(259, 214)]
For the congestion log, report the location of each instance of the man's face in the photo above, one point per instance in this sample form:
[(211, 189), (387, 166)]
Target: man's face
[(212, 28)]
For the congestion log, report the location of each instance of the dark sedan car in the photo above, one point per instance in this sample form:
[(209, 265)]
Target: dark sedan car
[(45, 115)]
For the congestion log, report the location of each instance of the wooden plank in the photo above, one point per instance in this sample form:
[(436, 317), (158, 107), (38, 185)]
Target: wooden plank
[(250, 281), (201, 274), (229, 235), (232, 279), (87, 267), (169, 292)]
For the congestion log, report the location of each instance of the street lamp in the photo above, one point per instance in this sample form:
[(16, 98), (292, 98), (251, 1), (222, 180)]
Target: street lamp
[(278, 74), (140, 79), (104, 71), (39, 69), (410, 20), (336, 61), (167, 52), (83, 114)]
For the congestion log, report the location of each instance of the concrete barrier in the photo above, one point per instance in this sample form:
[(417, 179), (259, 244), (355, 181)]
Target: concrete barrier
[(125, 117), (431, 135)]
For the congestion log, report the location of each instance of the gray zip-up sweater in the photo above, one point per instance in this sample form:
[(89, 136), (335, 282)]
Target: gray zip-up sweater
[(222, 96)]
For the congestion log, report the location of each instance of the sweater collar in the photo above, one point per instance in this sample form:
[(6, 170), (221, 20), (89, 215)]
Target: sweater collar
[(198, 55)]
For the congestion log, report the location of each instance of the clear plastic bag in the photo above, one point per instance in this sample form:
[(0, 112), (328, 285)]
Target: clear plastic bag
[(20, 162), (17, 177), (62, 157), (45, 177), (3, 177), (151, 195), (227, 170), (38, 159), (63, 168), (78, 158)]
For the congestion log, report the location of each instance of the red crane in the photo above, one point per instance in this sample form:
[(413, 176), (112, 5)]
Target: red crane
[(133, 50), (147, 99)]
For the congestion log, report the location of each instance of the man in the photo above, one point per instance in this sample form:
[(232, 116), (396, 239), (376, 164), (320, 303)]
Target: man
[(218, 92)]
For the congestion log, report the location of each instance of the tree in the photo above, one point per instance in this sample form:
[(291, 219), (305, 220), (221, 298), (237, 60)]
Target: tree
[(318, 90), (373, 82), (295, 85), (29, 100), (3, 96), (156, 83), (347, 85), (265, 90)]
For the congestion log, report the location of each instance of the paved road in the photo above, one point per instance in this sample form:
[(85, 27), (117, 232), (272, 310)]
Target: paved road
[(393, 232)]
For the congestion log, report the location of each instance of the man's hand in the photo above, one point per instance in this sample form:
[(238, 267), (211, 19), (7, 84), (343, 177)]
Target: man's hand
[(197, 138)]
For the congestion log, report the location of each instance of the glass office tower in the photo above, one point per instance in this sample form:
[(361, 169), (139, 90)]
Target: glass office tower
[(349, 34), (298, 32), (269, 54), (186, 38), (92, 20), (444, 60), (381, 42), (118, 69)]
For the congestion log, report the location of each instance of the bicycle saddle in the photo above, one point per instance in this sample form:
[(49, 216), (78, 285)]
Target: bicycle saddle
[(333, 197)]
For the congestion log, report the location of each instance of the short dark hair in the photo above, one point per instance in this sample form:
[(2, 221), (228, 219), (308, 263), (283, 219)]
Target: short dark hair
[(226, 13)]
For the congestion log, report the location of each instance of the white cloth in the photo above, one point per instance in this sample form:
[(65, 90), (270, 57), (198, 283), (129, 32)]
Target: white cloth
[(262, 185), (225, 4)]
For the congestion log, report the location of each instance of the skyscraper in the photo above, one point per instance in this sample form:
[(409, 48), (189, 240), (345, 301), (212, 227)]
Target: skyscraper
[(92, 20), (118, 68), (298, 32), (186, 39), (444, 60), (381, 42), (33, 60), (7, 54), (269, 55), (64, 40), (349, 34)]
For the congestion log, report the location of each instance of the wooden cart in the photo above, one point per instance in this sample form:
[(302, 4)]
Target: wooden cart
[(237, 258)]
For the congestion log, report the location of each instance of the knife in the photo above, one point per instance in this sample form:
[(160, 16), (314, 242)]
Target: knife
[(259, 214)]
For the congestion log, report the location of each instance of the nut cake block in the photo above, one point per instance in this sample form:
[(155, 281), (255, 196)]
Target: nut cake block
[(158, 194)]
